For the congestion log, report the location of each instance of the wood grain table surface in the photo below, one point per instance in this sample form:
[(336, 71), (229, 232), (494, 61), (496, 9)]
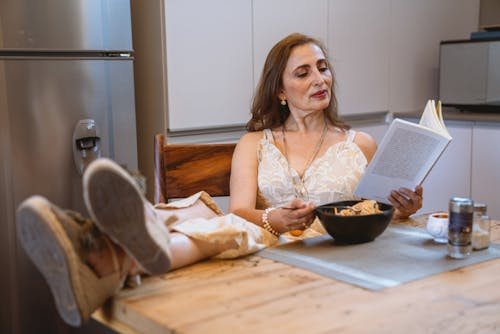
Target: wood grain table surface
[(257, 295)]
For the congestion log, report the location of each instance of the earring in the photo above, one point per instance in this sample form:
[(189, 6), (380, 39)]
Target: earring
[(283, 102)]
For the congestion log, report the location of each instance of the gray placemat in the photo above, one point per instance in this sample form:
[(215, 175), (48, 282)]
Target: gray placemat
[(401, 254)]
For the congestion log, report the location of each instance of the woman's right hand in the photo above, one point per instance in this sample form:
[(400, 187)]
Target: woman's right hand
[(297, 215)]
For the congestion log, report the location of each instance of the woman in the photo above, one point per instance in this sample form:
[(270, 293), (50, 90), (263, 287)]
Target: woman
[(296, 155), (297, 150)]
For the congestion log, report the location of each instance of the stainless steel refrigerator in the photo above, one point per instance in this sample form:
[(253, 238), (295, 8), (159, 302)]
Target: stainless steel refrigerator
[(61, 61)]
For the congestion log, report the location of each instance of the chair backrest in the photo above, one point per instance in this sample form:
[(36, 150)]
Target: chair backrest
[(184, 169)]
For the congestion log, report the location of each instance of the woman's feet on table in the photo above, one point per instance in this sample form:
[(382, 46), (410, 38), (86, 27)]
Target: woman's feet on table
[(58, 243), (120, 210)]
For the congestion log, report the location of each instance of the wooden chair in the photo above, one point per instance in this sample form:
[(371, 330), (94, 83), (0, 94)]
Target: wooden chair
[(182, 170)]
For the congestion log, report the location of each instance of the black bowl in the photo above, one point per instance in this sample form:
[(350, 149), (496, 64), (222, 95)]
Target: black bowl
[(354, 229)]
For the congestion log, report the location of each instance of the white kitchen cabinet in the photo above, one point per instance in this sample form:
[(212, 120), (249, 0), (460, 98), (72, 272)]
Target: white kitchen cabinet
[(417, 27), (209, 62), (359, 47), (275, 19), (384, 53), (486, 166), (450, 176)]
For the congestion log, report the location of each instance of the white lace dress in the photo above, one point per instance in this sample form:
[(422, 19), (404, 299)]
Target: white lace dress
[(332, 176)]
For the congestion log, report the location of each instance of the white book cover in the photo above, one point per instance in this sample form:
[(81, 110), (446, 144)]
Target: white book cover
[(406, 154)]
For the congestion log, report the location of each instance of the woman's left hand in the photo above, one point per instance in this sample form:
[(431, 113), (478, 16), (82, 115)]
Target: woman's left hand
[(406, 202)]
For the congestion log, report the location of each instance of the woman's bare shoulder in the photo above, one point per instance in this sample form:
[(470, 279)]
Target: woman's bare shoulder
[(366, 143), (250, 138), (245, 153)]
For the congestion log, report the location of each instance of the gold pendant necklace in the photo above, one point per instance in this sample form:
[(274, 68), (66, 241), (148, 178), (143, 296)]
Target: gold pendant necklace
[(298, 182)]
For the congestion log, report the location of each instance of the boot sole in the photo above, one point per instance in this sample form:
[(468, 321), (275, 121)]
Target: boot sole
[(117, 207), (46, 244)]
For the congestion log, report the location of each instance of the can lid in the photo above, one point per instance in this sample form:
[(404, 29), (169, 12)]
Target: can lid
[(480, 207), (461, 204), (465, 200)]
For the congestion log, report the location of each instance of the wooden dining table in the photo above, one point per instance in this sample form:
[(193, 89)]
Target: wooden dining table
[(254, 294)]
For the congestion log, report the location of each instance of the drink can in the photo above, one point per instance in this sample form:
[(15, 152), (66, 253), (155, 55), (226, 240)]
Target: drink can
[(460, 227)]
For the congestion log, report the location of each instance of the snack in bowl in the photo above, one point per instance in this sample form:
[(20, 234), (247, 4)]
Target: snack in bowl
[(366, 207), (362, 221)]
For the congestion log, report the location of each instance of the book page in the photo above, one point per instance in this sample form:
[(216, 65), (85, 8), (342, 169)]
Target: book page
[(410, 161), (432, 118), (405, 156)]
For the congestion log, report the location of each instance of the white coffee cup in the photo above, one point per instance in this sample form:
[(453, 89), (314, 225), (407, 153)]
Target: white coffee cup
[(437, 226)]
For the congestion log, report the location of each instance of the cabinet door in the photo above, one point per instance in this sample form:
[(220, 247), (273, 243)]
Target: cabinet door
[(451, 173), (417, 27), (359, 50), (486, 167), (275, 19), (209, 62)]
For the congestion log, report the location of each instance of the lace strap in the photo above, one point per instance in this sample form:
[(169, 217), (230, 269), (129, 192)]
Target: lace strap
[(350, 136), (268, 134), (266, 139)]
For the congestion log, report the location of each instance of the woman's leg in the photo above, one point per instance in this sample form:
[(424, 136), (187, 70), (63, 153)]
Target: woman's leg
[(58, 242), (120, 210), (185, 250), (102, 261), (174, 215)]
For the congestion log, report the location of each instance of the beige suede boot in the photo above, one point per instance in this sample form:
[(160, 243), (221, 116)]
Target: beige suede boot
[(53, 240), (120, 210)]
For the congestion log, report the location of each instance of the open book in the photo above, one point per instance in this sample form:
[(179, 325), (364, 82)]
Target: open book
[(405, 155)]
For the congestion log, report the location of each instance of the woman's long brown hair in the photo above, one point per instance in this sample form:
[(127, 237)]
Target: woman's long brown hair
[(267, 112)]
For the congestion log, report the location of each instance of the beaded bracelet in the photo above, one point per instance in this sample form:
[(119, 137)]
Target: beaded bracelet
[(265, 222)]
